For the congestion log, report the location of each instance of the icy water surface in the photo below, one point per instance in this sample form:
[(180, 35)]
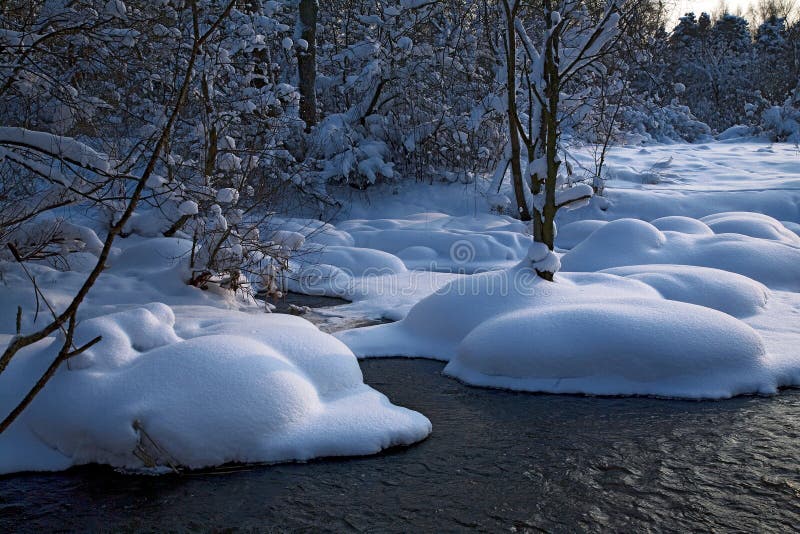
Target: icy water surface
[(495, 461)]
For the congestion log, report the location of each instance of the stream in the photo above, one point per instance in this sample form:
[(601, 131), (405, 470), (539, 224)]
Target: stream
[(496, 460)]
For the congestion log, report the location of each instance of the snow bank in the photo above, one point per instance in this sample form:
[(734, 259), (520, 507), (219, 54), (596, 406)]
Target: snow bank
[(696, 181), (195, 383), (775, 263), (727, 292), (643, 347), (623, 332), (237, 388)]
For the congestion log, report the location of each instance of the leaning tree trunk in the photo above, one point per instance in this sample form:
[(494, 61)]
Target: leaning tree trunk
[(307, 62)]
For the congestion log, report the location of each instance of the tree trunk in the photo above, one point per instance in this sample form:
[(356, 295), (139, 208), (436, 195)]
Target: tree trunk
[(307, 62), (535, 152), (511, 95), (550, 128)]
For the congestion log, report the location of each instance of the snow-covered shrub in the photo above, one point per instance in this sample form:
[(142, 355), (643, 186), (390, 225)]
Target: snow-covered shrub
[(103, 74), (782, 123), (346, 152), (650, 121), (397, 85)]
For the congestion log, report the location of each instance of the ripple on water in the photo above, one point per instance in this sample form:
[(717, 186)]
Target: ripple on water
[(496, 460)]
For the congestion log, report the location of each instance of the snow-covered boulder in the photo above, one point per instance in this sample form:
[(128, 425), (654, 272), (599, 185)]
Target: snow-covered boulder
[(727, 292), (751, 224), (573, 233), (685, 225), (436, 325)]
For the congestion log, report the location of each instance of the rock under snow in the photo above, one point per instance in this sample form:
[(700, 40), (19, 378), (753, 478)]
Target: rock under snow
[(727, 292), (751, 224)]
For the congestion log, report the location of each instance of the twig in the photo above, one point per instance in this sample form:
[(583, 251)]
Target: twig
[(63, 355), (37, 292)]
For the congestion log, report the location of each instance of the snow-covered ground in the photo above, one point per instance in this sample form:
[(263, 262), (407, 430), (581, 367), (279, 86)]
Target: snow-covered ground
[(683, 281), (699, 180), (183, 377), (690, 291)]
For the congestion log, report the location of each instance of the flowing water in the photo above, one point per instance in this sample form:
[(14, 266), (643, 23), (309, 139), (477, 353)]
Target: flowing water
[(496, 460)]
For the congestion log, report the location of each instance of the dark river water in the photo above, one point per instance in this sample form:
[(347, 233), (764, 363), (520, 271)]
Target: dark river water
[(496, 461)]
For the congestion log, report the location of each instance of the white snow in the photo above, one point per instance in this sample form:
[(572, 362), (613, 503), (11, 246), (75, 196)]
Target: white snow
[(66, 148), (627, 347), (725, 291), (596, 333), (205, 380), (228, 195), (683, 281), (188, 207), (696, 180), (440, 242), (688, 288), (775, 263)]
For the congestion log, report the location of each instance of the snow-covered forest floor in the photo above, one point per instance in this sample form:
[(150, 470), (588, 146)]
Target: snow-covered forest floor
[(682, 281)]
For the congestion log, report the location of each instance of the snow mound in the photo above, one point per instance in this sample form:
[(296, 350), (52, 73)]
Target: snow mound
[(573, 233), (314, 231), (727, 292), (643, 347), (685, 225), (436, 325), (152, 254), (751, 224), (625, 242), (439, 242), (735, 132), (357, 261), (792, 226), (596, 333), (225, 387), (125, 334)]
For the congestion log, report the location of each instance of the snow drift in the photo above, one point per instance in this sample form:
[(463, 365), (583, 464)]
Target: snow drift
[(772, 258), (622, 332), (634, 347), (192, 384)]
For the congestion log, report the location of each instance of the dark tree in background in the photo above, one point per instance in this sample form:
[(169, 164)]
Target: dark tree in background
[(307, 61)]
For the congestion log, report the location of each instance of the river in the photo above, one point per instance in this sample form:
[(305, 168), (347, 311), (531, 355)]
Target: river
[(496, 460)]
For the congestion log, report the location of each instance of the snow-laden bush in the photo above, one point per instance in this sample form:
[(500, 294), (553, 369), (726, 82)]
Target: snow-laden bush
[(782, 123), (94, 87), (650, 121)]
